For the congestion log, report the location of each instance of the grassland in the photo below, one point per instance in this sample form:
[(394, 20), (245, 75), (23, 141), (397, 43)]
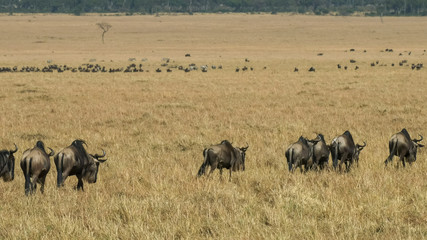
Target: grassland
[(154, 126)]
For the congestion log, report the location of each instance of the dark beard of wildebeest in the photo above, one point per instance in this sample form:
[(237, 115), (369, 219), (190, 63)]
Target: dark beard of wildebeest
[(74, 160), (7, 164), (343, 148), (35, 164), (223, 155), (320, 152), (401, 145), (300, 153)]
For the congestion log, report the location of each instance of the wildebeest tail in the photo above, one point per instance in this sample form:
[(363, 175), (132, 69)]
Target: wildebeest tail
[(28, 185), (335, 159), (290, 160), (60, 157), (204, 164)]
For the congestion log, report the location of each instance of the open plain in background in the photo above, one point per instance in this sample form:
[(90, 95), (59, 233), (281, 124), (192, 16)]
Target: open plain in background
[(154, 126)]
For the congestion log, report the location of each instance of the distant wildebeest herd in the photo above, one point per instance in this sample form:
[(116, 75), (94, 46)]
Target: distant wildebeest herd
[(168, 66), (35, 164), (96, 68), (313, 154)]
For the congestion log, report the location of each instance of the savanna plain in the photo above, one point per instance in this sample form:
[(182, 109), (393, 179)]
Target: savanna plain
[(155, 125)]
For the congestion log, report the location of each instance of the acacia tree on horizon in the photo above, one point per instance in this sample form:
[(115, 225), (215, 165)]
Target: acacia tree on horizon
[(104, 27)]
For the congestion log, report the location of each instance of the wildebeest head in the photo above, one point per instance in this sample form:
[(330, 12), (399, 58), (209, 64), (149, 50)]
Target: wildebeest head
[(7, 169), (413, 150), (357, 151), (91, 172), (243, 155)]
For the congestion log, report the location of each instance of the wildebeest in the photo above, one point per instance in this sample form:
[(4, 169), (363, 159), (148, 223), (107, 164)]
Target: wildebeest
[(344, 149), (403, 146), (35, 164), (223, 155), (320, 152), (74, 160), (300, 153), (7, 164)]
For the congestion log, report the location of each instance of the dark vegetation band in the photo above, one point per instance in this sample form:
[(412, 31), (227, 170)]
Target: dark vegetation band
[(319, 7)]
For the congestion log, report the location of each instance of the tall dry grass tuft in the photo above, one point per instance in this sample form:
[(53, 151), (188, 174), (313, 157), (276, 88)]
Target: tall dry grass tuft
[(154, 127)]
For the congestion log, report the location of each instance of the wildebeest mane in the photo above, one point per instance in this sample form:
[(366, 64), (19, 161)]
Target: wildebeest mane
[(405, 132), (230, 147), (3, 152), (81, 151), (322, 138), (348, 134), (40, 145), (303, 140), (3, 158)]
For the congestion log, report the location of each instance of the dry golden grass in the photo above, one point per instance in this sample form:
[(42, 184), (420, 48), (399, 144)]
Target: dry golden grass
[(154, 126)]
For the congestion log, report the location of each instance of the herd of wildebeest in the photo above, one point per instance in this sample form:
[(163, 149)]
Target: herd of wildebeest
[(35, 164), (313, 154), (168, 65)]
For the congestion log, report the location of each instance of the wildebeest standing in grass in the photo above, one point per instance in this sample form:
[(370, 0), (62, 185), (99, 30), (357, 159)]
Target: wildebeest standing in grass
[(300, 153), (7, 164), (404, 147), (320, 152), (223, 155), (343, 148), (35, 164), (74, 160)]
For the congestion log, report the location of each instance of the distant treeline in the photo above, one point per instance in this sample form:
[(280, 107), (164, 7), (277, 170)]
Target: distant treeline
[(320, 7)]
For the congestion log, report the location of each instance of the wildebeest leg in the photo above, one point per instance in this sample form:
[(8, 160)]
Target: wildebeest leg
[(297, 164), (34, 183), (42, 181), (307, 167), (392, 148), (64, 177), (220, 173), (317, 163), (300, 165), (232, 165), (213, 167), (403, 160), (28, 184), (343, 159), (323, 163), (348, 165), (79, 183)]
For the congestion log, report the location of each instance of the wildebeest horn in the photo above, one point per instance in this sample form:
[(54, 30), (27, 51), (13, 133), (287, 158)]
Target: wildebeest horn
[(362, 146), (51, 152), (100, 156), (418, 140), (101, 160), (317, 139), (14, 151)]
